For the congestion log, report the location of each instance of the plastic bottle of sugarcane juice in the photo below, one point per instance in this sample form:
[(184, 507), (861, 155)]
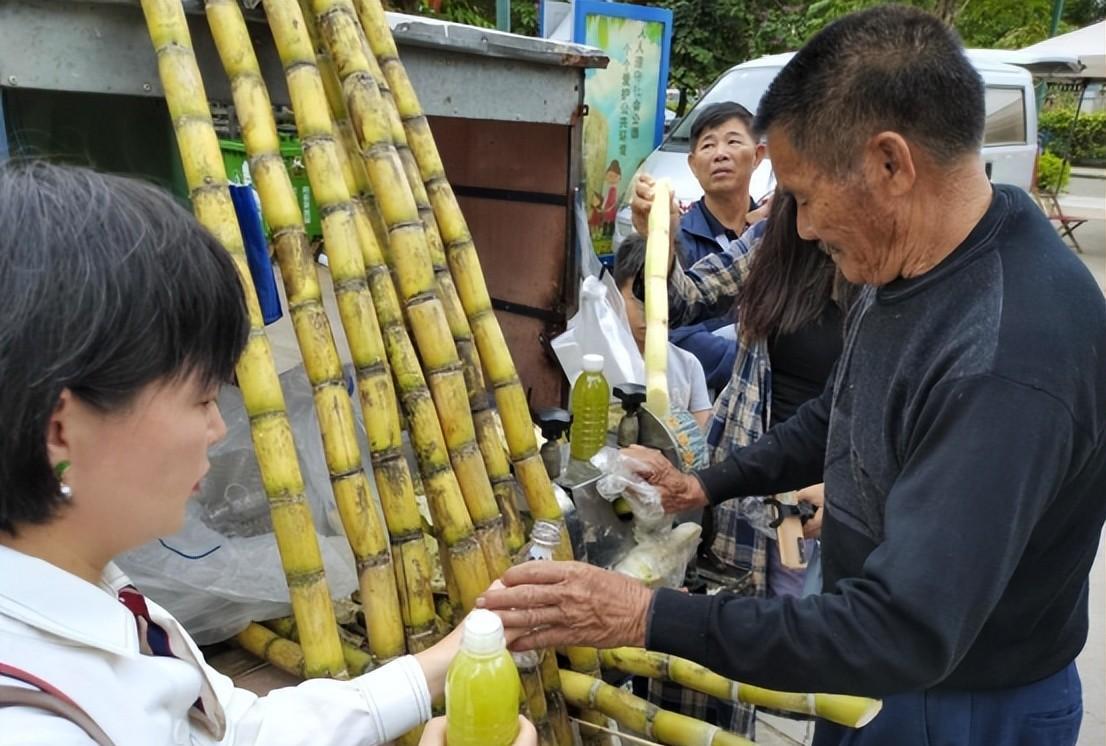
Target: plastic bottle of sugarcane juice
[(482, 688), (545, 537), (590, 401)]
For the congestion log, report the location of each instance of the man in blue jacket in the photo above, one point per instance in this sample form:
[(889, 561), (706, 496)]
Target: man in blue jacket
[(724, 153)]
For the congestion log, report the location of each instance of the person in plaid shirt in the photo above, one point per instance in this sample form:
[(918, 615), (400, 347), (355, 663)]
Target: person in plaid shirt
[(790, 304)]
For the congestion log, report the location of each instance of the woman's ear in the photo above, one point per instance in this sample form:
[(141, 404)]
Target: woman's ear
[(59, 427)]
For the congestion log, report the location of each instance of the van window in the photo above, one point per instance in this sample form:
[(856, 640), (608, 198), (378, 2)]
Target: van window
[(1005, 123), (743, 86)]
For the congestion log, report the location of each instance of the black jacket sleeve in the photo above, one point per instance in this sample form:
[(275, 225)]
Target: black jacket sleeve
[(787, 457), (977, 476)]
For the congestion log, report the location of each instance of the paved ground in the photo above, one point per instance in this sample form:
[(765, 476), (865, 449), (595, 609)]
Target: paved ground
[(1087, 197)]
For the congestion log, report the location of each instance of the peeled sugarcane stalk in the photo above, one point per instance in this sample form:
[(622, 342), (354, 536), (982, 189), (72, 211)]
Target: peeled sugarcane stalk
[(656, 301), (352, 493), (642, 717), (264, 400), (357, 660), (410, 261), (451, 519), (468, 278), (843, 709), (271, 647)]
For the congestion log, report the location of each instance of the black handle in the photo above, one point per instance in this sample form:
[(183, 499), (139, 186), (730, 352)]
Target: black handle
[(632, 396), (554, 422)]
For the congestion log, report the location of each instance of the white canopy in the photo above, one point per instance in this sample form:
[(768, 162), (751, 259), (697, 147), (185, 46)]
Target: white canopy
[(1087, 44)]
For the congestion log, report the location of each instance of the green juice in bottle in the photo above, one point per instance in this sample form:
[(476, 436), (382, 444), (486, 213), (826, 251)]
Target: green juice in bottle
[(482, 688), (591, 398)]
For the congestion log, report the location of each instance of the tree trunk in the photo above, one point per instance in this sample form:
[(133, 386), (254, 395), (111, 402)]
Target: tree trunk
[(681, 104), (948, 10)]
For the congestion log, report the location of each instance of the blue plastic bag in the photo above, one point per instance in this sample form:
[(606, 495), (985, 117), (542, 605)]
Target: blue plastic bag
[(257, 251)]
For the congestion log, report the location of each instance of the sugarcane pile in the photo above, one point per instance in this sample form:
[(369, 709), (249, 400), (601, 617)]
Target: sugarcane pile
[(424, 341)]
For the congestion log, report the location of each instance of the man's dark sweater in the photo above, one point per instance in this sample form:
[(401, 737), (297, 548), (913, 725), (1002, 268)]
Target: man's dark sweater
[(963, 447)]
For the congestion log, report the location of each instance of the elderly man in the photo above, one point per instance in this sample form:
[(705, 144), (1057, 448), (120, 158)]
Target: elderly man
[(962, 441), (723, 154)]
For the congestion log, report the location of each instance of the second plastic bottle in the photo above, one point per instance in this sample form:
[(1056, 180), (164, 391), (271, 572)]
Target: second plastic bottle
[(591, 397)]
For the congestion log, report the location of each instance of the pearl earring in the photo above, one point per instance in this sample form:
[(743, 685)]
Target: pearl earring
[(64, 490)]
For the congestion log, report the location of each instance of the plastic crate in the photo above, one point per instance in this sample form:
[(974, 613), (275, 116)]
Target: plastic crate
[(238, 172)]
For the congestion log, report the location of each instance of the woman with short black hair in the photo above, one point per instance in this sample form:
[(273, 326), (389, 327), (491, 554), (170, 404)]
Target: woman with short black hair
[(120, 317)]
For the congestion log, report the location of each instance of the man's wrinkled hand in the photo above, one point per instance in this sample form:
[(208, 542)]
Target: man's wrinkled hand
[(555, 604), (678, 491), (815, 495)]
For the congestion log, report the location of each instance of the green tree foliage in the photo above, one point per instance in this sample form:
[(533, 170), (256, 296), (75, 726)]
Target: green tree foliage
[(710, 36)]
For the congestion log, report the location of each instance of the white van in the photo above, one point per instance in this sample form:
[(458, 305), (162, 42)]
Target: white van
[(1009, 136)]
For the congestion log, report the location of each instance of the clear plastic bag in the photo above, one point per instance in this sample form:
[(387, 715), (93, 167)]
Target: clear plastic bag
[(661, 561), (600, 327), (620, 479), (222, 570)]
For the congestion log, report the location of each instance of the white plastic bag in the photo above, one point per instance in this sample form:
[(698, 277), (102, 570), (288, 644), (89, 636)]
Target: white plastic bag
[(222, 570), (600, 327)]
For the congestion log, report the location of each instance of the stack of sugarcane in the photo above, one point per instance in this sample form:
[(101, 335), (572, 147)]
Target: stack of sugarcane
[(424, 342)]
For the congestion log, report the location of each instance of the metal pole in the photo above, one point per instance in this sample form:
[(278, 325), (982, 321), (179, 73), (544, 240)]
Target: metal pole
[(1057, 11), (503, 14)]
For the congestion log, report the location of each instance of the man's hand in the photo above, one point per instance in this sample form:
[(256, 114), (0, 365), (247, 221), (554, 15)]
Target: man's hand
[(642, 202), (815, 495), (570, 603), (434, 734), (678, 491), (760, 212)]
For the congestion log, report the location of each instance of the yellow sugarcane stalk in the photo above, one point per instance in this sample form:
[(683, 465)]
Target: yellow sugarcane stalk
[(554, 698), (264, 401), (496, 460), (327, 168), (533, 696), (468, 278), (357, 181), (656, 302), (643, 717), (451, 519), (854, 712), (410, 261), (333, 408), (489, 439), (271, 647), (357, 660)]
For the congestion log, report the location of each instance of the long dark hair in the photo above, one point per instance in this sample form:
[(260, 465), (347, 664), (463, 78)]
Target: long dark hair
[(790, 279)]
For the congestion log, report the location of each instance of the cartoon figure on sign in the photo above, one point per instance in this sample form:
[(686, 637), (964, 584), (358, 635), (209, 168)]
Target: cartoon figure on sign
[(610, 203), (595, 212)]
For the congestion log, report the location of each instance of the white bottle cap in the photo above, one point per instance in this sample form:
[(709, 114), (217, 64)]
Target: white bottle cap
[(483, 633), (593, 363)]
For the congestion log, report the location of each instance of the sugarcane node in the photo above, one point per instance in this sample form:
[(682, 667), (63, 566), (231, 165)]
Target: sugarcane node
[(304, 579), (335, 208)]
